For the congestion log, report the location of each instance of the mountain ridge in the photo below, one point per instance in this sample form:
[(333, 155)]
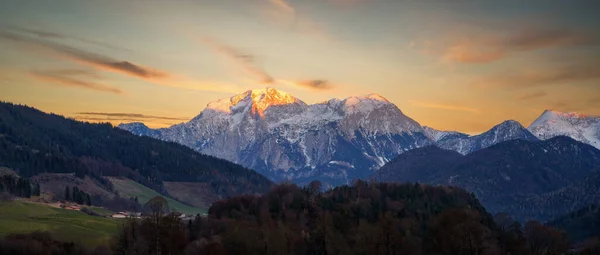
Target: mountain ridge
[(580, 127), (336, 141), (33, 142), (503, 174)]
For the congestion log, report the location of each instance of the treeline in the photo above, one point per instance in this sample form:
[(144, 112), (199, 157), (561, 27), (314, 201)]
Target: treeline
[(20, 187), (42, 243), (366, 218), (33, 142), (77, 196)]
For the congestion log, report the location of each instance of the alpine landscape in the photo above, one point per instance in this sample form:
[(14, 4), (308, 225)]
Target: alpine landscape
[(299, 127)]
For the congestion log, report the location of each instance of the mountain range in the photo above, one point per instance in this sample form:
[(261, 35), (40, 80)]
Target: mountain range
[(528, 179), (283, 138), (337, 141)]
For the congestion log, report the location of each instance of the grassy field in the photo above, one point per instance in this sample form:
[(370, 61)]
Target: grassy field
[(65, 225), (129, 188), (196, 194), (100, 211)]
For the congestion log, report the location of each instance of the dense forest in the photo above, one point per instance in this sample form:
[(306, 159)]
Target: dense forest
[(365, 218), (580, 224), (33, 142), (20, 187), (530, 180)]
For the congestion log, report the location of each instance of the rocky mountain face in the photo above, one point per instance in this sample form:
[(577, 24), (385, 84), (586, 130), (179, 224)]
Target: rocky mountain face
[(582, 128), (504, 174), (464, 144), (284, 138), (336, 141)]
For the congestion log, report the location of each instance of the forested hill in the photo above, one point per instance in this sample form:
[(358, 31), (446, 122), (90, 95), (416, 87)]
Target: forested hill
[(34, 142)]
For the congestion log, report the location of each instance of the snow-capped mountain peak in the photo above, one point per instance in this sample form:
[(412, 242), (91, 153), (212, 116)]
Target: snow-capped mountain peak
[(505, 131), (257, 100), (438, 135), (282, 137), (577, 126)]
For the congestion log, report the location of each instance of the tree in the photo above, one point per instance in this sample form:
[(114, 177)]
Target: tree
[(158, 207), (36, 190), (460, 232), (67, 194), (545, 240)]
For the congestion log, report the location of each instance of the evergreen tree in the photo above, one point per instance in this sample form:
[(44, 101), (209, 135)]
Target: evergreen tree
[(36, 190), (67, 194)]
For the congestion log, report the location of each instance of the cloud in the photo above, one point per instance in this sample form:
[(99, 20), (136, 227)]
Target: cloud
[(442, 106), (533, 95), (244, 60), (539, 77), (109, 64), (283, 5), (62, 78), (136, 116), (471, 48), (54, 35), (310, 84), (285, 15), (88, 58)]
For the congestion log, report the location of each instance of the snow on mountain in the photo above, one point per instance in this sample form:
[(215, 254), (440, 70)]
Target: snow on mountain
[(437, 135), (284, 138), (582, 128), (508, 130)]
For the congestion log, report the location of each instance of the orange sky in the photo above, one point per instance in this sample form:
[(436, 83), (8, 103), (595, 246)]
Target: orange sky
[(452, 65)]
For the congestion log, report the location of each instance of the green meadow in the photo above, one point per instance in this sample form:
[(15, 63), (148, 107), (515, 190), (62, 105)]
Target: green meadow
[(64, 225)]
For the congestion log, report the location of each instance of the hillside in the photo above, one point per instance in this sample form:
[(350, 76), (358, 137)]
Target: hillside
[(33, 142), (365, 218), (559, 202), (503, 174), (581, 224), (64, 225), (129, 188)]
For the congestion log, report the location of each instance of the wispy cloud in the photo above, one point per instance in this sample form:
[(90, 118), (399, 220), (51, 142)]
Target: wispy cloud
[(538, 77), (309, 84), (136, 116), (55, 35), (534, 95), (244, 60), (442, 106), (486, 47), (88, 58), (283, 5), (116, 118), (63, 78), (287, 16)]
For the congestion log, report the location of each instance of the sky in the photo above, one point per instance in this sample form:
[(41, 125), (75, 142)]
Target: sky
[(463, 65)]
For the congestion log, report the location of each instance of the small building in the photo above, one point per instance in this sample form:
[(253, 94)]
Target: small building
[(125, 214), (119, 216)]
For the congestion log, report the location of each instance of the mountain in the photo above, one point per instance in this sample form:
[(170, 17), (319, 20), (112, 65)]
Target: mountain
[(418, 165), (437, 135), (506, 131), (582, 128), (580, 224), (33, 143), (561, 201), (284, 138), (502, 174)]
